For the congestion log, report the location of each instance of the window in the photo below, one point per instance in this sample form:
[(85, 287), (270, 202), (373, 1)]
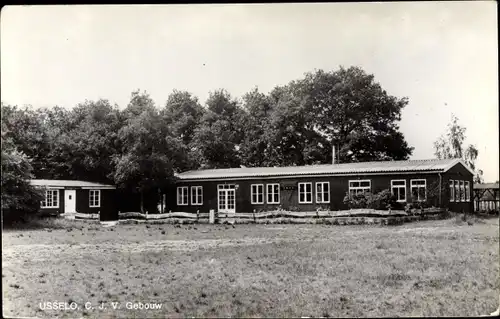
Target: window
[(305, 193), (257, 195), (418, 189), (457, 191), (273, 193), (467, 191), (398, 188), (94, 198), (452, 190), (359, 187), (51, 199), (323, 192), (462, 191), (182, 195), (196, 195)]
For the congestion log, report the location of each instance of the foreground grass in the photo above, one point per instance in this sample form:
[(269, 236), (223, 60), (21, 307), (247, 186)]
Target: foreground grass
[(432, 268)]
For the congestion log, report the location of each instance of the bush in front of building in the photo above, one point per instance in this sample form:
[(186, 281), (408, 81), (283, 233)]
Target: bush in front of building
[(355, 201), (382, 200)]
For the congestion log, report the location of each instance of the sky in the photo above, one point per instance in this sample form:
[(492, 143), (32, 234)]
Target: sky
[(443, 56)]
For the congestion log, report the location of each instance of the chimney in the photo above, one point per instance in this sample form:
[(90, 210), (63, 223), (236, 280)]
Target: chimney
[(333, 154)]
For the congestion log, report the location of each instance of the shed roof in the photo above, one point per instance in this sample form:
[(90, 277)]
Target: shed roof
[(68, 183), (486, 186), (409, 166)]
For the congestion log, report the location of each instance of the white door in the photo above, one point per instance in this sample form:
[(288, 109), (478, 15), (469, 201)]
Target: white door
[(69, 201), (226, 199)]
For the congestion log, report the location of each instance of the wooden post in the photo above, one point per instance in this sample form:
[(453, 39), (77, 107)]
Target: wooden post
[(142, 203), (254, 220), (211, 216), (197, 215)]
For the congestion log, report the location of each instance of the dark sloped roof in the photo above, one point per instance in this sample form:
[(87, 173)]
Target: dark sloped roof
[(68, 183), (431, 165)]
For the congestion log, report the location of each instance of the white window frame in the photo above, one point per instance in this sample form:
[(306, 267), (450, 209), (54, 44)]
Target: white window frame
[(92, 199), (399, 186), (322, 194), (194, 195), (418, 186), (467, 191), (462, 191), (305, 201), (181, 190), (272, 186), (457, 191), (43, 204), (256, 193), (356, 188), (452, 190)]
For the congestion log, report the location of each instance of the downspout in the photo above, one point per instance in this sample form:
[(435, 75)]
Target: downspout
[(440, 190)]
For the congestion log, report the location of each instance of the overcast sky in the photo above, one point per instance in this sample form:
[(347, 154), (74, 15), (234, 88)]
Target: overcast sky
[(441, 55)]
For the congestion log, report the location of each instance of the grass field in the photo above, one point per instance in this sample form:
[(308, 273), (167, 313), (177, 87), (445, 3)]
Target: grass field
[(431, 268)]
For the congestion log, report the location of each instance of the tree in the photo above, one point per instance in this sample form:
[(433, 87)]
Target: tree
[(24, 127), (217, 141), (478, 178), (183, 115), (345, 108), (254, 148), (85, 148), (290, 132), (19, 198), (149, 154), (451, 145)]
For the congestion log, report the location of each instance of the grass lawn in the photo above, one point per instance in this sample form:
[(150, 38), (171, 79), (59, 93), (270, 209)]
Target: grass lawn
[(430, 268)]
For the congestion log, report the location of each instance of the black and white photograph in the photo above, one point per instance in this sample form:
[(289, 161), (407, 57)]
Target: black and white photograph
[(250, 160)]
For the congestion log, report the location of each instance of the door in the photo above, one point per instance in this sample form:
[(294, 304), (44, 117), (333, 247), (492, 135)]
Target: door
[(70, 201), (226, 198)]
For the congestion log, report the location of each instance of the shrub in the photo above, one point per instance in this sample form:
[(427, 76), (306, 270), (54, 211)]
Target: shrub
[(355, 201), (382, 200)]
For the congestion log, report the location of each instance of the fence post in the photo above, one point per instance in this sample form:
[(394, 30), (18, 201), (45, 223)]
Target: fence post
[(211, 217), (254, 220), (197, 215)]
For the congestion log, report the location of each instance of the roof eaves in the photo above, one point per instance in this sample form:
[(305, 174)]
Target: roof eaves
[(291, 175)]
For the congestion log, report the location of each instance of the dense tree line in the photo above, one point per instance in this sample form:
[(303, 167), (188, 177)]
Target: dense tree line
[(140, 147)]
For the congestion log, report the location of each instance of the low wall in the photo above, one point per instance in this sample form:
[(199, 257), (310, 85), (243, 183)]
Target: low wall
[(346, 217)]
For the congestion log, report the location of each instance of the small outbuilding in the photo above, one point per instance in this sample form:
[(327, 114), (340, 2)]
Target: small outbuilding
[(487, 197), (69, 196), (307, 188)]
